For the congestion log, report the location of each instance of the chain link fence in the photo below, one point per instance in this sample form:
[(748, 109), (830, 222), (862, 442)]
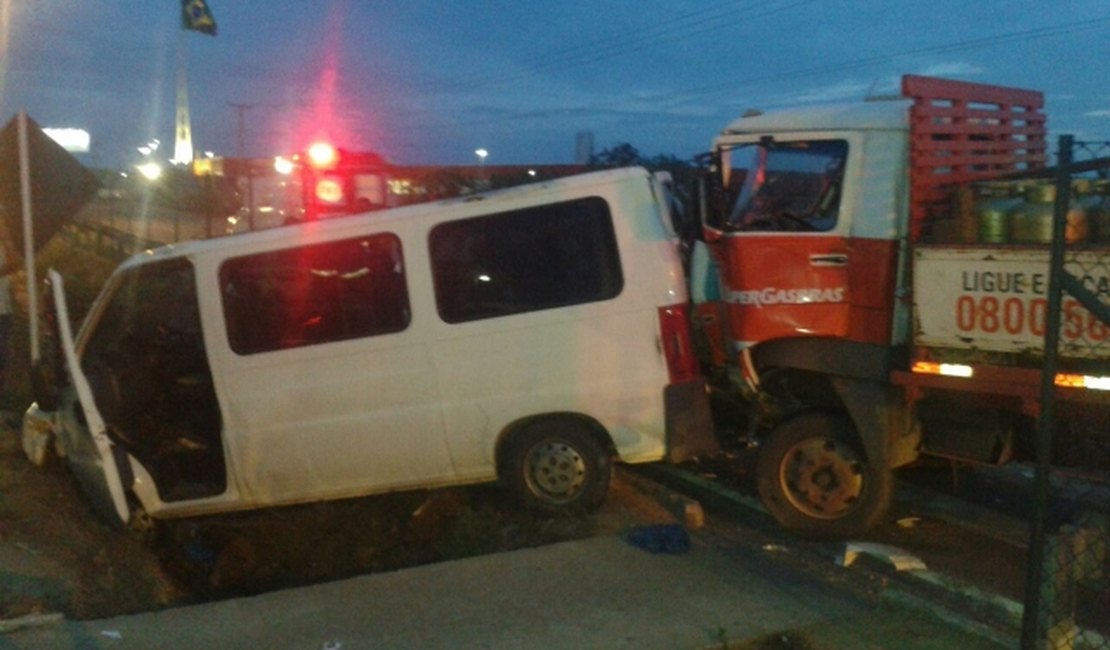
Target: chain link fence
[(1067, 595)]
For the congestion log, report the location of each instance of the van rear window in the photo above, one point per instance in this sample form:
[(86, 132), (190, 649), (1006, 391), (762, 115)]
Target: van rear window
[(525, 260), (315, 294)]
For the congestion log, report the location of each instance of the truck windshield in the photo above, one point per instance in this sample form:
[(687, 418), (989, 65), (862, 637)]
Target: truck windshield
[(783, 186)]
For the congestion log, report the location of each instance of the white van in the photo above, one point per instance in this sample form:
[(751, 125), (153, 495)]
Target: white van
[(530, 335)]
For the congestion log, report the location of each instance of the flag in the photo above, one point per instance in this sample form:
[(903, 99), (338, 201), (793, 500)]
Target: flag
[(196, 16)]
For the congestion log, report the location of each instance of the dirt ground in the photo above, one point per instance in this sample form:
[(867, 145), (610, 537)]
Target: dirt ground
[(56, 556)]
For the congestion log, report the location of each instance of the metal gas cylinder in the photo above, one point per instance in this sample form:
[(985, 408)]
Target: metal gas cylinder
[(994, 201), (1098, 210), (1031, 220)]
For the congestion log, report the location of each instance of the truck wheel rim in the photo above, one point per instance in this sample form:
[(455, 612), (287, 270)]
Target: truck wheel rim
[(822, 478), (555, 470)]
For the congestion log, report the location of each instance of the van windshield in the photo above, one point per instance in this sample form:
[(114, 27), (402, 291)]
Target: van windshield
[(784, 186)]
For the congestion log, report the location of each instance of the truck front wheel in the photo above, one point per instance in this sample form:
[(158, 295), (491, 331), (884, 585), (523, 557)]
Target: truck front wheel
[(815, 479)]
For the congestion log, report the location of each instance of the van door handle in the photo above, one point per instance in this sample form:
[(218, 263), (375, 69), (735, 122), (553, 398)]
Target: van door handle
[(829, 259)]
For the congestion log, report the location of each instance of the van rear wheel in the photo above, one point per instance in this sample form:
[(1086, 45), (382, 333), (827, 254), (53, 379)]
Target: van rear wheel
[(815, 479), (557, 465)]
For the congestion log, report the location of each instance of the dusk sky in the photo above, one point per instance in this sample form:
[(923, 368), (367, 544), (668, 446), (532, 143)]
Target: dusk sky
[(426, 82)]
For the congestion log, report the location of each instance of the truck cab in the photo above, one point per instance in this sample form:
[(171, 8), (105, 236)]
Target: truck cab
[(812, 217)]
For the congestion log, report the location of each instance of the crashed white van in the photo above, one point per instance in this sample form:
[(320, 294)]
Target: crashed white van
[(530, 335)]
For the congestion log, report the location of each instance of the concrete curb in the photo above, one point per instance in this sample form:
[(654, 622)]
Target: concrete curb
[(682, 507), (1003, 613)]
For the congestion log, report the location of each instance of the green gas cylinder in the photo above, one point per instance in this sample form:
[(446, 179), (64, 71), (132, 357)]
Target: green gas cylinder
[(1098, 210), (1031, 220), (994, 201)]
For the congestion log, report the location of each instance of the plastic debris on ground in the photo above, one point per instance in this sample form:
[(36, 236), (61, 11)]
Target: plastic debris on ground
[(664, 538), (898, 558)]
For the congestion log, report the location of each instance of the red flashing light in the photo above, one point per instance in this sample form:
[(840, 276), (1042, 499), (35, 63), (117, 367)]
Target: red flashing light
[(329, 191), (322, 155)]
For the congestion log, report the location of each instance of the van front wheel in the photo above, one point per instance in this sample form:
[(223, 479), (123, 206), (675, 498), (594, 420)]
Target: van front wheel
[(556, 465)]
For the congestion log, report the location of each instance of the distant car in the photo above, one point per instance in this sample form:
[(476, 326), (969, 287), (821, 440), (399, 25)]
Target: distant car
[(529, 335)]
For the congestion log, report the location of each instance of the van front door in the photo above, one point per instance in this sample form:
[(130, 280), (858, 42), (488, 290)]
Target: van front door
[(90, 452), (144, 355)]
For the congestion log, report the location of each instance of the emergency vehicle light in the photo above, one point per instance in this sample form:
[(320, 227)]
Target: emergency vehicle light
[(322, 154), (946, 369), (329, 190)]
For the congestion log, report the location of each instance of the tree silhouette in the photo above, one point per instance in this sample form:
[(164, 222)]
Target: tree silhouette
[(621, 155)]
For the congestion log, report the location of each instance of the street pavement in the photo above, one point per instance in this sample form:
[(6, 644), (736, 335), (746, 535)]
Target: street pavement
[(601, 592)]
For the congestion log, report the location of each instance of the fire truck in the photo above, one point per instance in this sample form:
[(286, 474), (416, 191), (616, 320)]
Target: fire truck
[(336, 181), (878, 298)]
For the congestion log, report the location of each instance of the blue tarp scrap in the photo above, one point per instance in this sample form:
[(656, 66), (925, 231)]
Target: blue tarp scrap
[(663, 538)]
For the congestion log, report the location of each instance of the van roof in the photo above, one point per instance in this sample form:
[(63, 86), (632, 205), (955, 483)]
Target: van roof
[(506, 199), (885, 114)]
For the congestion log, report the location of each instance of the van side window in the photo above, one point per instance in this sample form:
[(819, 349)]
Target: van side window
[(315, 294), (525, 260)]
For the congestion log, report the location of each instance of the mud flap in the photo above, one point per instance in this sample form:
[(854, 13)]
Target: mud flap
[(690, 431)]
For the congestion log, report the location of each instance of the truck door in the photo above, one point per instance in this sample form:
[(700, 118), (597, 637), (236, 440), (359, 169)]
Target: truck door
[(783, 249)]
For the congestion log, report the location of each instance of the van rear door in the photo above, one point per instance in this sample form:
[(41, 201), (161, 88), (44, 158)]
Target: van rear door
[(90, 453)]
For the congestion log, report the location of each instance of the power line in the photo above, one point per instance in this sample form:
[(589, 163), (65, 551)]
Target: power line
[(959, 46), (680, 28), (1023, 35)]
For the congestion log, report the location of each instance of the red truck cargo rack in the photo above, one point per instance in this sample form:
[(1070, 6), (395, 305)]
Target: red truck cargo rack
[(963, 132)]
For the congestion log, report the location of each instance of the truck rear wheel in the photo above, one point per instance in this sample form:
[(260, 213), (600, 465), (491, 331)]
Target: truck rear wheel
[(816, 481)]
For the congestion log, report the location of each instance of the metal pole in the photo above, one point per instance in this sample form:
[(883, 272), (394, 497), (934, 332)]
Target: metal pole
[(241, 108), (28, 236), (1031, 629)]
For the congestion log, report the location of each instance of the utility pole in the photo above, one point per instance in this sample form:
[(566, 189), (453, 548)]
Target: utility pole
[(242, 109)]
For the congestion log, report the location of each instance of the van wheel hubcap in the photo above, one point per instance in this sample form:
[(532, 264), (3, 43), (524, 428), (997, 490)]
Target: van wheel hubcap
[(555, 469)]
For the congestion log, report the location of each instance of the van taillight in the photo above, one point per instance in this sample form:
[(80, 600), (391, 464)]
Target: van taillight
[(678, 348)]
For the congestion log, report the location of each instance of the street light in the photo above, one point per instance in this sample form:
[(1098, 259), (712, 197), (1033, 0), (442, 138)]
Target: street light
[(482, 153), (151, 171), (283, 165)]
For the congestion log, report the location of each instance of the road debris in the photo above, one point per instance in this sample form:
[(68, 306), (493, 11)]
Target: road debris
[(901, 560)]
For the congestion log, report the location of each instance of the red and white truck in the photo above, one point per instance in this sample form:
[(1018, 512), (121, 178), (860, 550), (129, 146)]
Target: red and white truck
[(879, 300)]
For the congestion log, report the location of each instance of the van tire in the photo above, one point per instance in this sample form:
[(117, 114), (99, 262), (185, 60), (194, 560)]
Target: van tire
[(557, 465), (816, 481)]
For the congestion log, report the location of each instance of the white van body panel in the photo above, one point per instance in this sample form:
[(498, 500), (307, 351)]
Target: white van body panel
[(428, 405)]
